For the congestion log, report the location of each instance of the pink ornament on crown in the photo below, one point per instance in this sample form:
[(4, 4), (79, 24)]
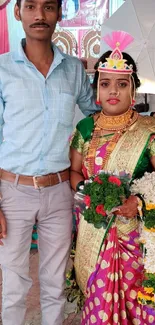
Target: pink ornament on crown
[(118, 41)]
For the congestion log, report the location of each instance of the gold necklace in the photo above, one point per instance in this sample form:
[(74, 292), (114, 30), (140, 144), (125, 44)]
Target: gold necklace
[(124, 122), (114, 123)]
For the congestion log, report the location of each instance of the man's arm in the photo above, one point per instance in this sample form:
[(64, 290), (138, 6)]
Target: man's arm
[(86, 99)]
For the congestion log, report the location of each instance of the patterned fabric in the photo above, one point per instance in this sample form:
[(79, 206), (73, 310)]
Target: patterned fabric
[(112, 288), (86, 258), (144, 146), (152, 146), (89, 236), (77, 141), (36, 113), (110, 278)]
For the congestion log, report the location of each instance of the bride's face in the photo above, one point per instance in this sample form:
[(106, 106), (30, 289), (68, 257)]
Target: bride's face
[(115, 93)]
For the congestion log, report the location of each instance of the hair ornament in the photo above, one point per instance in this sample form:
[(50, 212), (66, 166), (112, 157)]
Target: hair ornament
[(118, 41)]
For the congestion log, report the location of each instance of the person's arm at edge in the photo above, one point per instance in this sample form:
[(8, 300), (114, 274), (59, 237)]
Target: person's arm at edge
[(3, 228)]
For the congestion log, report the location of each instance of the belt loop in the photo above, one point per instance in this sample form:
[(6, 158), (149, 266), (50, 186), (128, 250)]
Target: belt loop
[(16, 180), (59, 177)]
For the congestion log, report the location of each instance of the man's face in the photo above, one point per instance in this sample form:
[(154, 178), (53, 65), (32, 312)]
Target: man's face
[(39, 18)]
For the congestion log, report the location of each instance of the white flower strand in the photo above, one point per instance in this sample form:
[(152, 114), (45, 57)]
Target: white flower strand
[(148, 238), (146, 187)]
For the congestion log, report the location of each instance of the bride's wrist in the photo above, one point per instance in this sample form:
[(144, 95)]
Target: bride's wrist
[(78, 186)]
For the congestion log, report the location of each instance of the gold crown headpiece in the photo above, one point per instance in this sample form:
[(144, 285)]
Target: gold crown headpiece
[(118, 41)]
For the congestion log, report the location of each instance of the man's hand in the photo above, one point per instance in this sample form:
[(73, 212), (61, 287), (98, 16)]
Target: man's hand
[(129, 209), (3, 227)]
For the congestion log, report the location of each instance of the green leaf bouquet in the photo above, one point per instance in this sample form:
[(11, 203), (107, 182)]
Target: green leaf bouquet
[(102, 193)]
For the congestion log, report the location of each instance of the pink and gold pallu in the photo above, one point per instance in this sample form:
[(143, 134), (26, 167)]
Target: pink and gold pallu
[(112, 288)]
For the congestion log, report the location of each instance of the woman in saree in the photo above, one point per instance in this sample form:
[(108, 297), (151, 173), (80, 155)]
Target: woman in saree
[(110, 273)]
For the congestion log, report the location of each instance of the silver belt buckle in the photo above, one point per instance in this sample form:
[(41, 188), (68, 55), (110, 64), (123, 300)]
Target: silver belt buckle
[(35, 182)]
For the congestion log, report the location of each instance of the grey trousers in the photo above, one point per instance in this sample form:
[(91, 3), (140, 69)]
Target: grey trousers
[(52, 208)]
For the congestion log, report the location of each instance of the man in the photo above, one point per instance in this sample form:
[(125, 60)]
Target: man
[(39, 87)]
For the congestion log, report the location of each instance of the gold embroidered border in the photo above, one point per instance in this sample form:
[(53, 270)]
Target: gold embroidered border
[(77, 141), (126, 228), (88, 244), (87, 248), (129, 148)]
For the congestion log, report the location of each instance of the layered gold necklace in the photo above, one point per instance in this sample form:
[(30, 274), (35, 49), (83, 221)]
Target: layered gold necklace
[(117, 124)]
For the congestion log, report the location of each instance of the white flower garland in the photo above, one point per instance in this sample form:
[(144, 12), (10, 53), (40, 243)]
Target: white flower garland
[(148, 238)]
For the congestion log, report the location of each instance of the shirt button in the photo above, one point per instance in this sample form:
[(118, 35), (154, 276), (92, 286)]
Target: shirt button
[(46, 108)]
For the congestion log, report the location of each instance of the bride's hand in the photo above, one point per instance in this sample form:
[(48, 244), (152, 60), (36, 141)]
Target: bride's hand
[(129, 209)]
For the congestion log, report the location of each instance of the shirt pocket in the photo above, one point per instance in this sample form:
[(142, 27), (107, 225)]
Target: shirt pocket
[(66, 109)]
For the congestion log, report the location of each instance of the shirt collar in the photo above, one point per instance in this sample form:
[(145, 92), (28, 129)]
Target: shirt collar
[(20, 55)]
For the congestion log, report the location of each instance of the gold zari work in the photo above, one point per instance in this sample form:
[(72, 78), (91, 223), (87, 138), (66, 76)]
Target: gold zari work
[(87, 249)]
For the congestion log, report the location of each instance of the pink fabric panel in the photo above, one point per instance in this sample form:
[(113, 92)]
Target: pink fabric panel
[(84, 13), (112, 288), (4, 38)]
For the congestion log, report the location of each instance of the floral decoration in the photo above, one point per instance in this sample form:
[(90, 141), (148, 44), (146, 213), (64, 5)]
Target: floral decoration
[(146, 188)]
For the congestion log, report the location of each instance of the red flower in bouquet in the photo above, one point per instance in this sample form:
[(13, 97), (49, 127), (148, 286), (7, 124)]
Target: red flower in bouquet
[(98, 180), (87, 200), (100, 210), (114, 180)]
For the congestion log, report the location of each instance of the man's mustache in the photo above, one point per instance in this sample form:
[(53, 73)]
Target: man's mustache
[(39, 24)]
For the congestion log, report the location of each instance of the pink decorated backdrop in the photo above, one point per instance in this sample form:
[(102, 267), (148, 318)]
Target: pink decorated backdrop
[(78, 13), (4, 39), (79, 16)]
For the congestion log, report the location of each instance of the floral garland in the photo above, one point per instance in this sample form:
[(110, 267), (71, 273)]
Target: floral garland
[(146, 187)]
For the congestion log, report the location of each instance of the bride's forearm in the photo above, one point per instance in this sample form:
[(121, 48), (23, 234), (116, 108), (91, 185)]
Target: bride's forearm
[(75, 179)]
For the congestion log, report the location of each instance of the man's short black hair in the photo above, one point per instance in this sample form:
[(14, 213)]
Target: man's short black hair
[(59, 3)]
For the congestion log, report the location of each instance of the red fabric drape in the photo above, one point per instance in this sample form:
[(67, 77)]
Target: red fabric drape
[(4, 37)]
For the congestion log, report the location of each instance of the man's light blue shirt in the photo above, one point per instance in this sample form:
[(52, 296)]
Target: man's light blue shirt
[(36, 113)]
